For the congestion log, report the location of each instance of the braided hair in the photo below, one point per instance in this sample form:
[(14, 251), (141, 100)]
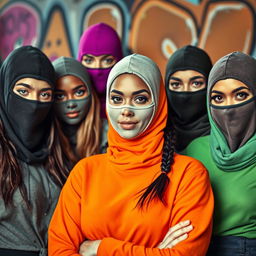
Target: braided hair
[(157, 188)]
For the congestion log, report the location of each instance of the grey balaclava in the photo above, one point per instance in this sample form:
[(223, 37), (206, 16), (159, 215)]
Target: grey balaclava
[(69, 66), (148, 71)]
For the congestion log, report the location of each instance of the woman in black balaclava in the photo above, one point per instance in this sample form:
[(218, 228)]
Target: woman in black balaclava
[(185, 82), (32, 170)]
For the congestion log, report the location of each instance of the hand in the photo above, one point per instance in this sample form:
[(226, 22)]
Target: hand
[(176, 234), (89, 248)]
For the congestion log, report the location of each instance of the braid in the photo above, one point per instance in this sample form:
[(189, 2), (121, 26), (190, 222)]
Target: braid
[(157, 188)]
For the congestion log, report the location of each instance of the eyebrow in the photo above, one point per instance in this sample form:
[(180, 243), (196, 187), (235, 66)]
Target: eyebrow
[(103, 55), (134, 93), (78, 87), (191, 79), (32, 88), (240, 88), (117, 92), (196, 77), (235, 90), (217, 92), (25, 85), (175, 78), (140, 91)]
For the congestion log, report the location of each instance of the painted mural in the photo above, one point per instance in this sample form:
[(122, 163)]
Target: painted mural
[(155, 28)]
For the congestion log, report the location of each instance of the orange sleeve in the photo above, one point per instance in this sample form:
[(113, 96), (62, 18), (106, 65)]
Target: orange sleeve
[(194, 201), (64, 234)]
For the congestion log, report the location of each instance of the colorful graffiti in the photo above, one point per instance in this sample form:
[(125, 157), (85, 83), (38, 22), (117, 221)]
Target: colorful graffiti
[(155, 28)]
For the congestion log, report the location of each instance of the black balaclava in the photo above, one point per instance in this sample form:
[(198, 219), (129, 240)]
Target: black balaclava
[(26, 122), (236, 122), (187, 110)]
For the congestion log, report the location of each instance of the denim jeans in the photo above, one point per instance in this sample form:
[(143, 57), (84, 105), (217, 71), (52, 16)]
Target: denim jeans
[(232, 246), (10, 252)]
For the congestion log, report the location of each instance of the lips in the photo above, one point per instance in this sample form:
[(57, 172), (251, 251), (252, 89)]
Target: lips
[(73, 114), (127, 125)]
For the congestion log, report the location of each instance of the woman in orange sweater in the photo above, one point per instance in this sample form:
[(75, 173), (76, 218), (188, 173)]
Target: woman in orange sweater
[(125, 201)]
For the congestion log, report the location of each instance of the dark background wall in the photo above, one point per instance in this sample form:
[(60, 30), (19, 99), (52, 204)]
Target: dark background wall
[(154, 28)]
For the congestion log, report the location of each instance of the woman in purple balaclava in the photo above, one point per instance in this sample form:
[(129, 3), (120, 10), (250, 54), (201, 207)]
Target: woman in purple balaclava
[(99, 50)]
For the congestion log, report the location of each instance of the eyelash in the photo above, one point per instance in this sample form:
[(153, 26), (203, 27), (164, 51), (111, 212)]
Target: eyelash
[(175, 84), (138, 99), (80, 93), (198, 83), (243, 94), (142, 99), (22, 91), (116, 99)]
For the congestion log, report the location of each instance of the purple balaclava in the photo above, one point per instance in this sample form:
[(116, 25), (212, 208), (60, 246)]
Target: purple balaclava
[(100, 39)]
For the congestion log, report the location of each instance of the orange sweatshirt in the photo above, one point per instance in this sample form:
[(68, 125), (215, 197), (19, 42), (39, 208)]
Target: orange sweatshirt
[(97, 203)]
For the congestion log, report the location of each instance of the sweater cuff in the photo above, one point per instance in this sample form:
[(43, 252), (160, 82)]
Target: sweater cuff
[(107, 246)]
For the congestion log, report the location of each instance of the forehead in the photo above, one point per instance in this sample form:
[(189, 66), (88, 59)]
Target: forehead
[(68, 82), (128, 83), (186, 74), (34, 83), (228, 85)]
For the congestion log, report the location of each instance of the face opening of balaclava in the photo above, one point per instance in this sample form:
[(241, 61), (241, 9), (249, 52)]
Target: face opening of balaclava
[(188, 109), (27, 122), (233, 127), (100, 39)]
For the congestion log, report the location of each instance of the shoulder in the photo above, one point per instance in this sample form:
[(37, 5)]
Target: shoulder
[(198, 147), (200, 141), (185, 162), (186, 167), (88, 164)]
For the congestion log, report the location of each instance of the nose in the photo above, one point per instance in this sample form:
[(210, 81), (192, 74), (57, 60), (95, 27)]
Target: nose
[(71, 105), (127, 112)]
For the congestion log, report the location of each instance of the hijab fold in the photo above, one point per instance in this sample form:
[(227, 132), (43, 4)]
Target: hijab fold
[(145, 151)]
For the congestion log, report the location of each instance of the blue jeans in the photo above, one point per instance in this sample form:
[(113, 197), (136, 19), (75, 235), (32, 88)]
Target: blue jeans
[(232, 246)]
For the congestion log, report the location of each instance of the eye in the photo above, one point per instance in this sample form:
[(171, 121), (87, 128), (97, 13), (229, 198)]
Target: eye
[(59, 97), (80, 92), (87, 60), (46, 95), (198, 84), (116, 99), (217, 99), (240, 96), (109, 60), (141, 99), (175, 85), (23, 92)]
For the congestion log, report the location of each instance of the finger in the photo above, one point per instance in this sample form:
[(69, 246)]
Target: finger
[(179, 225), (177, 230), (174, 235), (176, 241)]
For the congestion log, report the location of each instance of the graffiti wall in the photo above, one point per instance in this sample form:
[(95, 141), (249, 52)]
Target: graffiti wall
[(155, 28)]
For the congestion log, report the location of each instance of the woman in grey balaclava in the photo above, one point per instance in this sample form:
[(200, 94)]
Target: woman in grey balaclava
[(229, 154), (77, 109)]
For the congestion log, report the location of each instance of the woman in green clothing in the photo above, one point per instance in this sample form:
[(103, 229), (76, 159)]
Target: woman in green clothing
[(229, 153)]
